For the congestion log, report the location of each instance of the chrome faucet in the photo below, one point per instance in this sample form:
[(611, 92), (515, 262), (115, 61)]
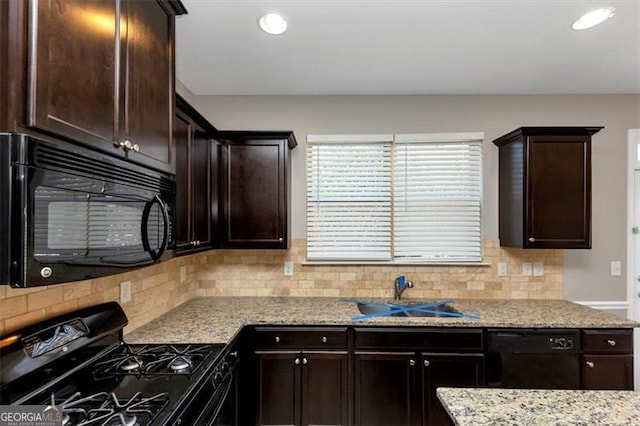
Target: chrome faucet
[(399, 286)]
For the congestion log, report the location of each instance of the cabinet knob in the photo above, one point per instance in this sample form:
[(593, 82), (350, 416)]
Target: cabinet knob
[(426, 363), (297, 361), (277, 339), (324, 339), (197, 242), (412, 362), (280, 239), (136, 147), (590, 364), (304, 360), (532, 240), (611, 342), (126, 145)]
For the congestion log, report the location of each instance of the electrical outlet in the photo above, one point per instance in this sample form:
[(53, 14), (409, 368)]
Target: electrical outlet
[(288, 269), (538, 269), (527, 269), (616, 268), (183, 273), (125, 292), (502, 269)]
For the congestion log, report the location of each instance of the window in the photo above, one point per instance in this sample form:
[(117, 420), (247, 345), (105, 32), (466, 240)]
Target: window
[(395, 198)]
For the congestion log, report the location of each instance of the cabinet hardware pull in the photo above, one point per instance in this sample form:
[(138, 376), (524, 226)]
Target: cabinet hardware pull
[(426, 363), (532, 240), (234, 354), (304, 360), (277, 339), (297, 361), (324, 339), (197, 242), (280, 239), (126, 145), (590, 364), (136, 147), (611, 342), (412, 362)]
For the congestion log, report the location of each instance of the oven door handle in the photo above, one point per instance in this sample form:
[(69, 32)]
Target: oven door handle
[(228, 384), (155, 254)]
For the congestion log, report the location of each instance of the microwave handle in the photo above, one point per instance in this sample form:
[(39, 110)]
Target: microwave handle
[(155, 255)]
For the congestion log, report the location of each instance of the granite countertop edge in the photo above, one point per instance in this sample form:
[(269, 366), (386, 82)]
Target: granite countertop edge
[(219, 319)]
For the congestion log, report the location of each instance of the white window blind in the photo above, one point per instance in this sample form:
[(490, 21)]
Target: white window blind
[(437, 199), (403, 198), (349, 198)]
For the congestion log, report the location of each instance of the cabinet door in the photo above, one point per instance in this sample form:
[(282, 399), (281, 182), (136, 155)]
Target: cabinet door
[(608, 372), (201, 153), (324, 389), (182, 136), (149, 95), (559, 192), (447, 370), (74, 74), (256, 194), (278, 388), (385, 389)]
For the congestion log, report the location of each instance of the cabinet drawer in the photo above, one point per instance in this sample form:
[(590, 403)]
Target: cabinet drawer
[(428, 339), (300, 338), (609, 341)]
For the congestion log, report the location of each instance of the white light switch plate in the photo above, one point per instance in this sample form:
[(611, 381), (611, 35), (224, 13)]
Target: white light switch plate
[(527, 269), (538, 269), (288, 269), (616, 268), (125, 292), (502, 269)]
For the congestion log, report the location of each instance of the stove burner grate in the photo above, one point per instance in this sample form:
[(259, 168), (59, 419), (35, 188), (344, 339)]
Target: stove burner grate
[(153, 360), (106, 409)]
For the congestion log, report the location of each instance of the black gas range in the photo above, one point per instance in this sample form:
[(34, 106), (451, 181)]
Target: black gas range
[(79, 363)]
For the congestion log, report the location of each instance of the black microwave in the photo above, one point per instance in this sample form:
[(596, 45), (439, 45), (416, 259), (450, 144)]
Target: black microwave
[(68, 213)]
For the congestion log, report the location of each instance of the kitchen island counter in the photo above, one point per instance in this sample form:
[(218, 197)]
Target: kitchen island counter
[(507, 407), (218, 319)]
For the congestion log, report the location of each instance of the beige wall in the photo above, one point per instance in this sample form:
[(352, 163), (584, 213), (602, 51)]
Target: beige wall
[(586, 272)]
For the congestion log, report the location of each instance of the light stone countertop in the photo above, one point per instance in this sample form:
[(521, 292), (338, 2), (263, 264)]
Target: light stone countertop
[(520, 407), (218, 319)]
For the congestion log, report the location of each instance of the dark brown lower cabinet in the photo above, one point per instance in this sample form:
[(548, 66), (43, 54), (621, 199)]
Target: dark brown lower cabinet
[(450, 370), (302, 388), (607, 372), (385, 389)]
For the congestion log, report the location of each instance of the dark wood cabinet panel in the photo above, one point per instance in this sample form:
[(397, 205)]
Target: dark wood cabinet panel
[(73, 89), (607, 360), (94, 72), (545, 187), (149, 83), (256, 189), (607, 372), (196, 180), (450, 370), (324, 388), (385, 389), (278, 388), (322, 338)]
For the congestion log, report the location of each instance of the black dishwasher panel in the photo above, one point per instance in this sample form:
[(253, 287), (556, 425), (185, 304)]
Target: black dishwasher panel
[(533, 358)]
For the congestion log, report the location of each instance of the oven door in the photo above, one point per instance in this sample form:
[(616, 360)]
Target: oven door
[(84, 221)]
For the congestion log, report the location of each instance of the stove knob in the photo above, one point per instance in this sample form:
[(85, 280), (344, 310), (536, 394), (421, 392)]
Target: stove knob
[(225, 367)]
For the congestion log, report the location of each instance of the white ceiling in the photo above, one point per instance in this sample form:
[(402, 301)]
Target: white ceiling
[(408, 47)]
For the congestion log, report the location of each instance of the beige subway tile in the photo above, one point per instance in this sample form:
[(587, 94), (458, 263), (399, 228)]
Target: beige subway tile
[(45, 298), (61, 308), (76, 290), (13, 306), (24, 320)]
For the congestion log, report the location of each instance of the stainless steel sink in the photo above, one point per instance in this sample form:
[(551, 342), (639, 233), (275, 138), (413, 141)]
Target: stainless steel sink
[(438, 311)]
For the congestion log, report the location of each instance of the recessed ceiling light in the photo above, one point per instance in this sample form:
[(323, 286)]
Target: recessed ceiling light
[(593, 18), (273, 23)]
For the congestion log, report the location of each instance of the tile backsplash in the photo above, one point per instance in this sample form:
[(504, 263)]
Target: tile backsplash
[(260, 273), (158, 289)]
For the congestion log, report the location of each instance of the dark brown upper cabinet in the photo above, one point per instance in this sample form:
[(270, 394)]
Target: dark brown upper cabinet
[(98, 73), (256, 189), (197, 172), (545, 187)]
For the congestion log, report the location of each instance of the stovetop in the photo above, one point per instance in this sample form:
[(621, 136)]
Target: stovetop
[(79, 363)]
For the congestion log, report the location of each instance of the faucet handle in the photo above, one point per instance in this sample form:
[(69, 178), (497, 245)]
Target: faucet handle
[(400, 281)]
